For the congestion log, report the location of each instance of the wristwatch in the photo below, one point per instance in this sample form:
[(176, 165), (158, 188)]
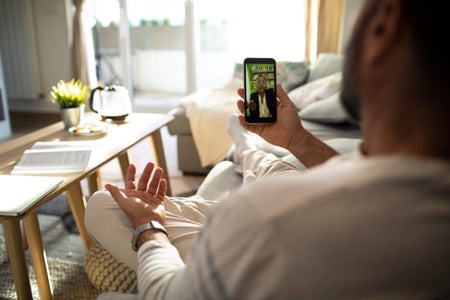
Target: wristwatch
[(152, 225)]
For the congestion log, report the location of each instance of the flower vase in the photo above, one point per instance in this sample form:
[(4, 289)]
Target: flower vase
[(72, 116)]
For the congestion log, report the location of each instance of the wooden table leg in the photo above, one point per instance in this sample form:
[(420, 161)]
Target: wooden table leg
[(14, 245), (124, 161), (38, 257), (158, 149), (94, 182), (77, 204), (24, 239)]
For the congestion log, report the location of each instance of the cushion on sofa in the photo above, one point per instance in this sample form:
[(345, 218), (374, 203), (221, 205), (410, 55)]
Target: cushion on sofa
[(316, 90), (291, 74), (326, 64), (328, 110)]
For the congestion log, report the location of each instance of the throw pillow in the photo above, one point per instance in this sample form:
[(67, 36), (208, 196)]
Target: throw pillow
[(316, 90), (291, 74), (328, 110), (326, 64)]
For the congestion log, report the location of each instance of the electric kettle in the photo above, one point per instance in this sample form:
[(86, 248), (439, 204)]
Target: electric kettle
[(111, 102)]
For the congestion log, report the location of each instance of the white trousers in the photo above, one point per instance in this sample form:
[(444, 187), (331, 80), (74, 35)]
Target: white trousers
[(110, 227)]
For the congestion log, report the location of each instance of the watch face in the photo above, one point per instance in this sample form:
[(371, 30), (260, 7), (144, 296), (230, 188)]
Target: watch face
[(157, 225)]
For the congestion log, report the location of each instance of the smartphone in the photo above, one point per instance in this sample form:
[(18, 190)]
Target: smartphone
[(260, 95)]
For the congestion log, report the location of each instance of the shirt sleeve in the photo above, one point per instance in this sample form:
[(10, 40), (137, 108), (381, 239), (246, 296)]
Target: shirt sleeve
[(158, 261), (226, 261)]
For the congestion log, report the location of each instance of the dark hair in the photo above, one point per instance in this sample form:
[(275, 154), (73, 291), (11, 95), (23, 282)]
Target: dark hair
[(428, 21)]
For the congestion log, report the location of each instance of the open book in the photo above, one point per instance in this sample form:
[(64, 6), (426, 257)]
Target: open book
[(21, 192), (55, 158)]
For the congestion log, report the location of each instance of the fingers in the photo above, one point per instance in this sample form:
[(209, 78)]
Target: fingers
[(240, 102), (145, 177), (130, 177), (115, 193), (150, 184), (240, 92), (154, 186), (162, 190), (149, 181), (241, 106)]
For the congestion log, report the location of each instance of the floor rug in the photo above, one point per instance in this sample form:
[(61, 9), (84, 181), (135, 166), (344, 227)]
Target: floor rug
[(59, 207), (68, 279)]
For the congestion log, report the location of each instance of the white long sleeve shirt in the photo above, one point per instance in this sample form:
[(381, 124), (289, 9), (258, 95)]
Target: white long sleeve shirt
[(353, 228)]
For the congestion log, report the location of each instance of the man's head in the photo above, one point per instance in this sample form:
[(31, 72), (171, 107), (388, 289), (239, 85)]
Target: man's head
[(396, 66), (261, 83)]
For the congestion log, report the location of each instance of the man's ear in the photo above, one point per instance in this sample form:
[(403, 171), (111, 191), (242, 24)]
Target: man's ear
[(383, 30)]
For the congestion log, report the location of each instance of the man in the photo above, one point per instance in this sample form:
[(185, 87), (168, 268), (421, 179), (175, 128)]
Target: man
[(263, 102), (374, 224)]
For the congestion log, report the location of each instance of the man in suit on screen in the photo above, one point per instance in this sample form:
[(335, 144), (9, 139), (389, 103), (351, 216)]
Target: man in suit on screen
[(263, 102)]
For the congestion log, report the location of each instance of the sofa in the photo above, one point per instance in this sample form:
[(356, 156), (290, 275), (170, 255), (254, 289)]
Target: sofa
[(200, 119)]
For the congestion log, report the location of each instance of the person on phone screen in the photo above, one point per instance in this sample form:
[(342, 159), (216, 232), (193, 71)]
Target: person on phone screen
[(263, 102)]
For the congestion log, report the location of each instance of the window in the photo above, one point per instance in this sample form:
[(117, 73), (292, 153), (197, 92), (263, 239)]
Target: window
[(225, 33)]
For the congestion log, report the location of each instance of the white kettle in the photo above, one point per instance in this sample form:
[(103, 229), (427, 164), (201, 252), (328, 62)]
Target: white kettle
[(112, 102)]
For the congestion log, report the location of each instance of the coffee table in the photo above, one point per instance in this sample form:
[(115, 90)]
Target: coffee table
[(114, 144)]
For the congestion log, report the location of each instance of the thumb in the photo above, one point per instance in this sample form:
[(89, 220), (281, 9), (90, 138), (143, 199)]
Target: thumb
[(115, 193)]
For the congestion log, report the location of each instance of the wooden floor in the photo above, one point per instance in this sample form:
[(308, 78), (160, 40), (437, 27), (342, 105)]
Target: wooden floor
[(26, 122)]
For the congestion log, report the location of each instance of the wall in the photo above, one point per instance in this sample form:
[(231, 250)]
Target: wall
[(5, 126), (44, 31)]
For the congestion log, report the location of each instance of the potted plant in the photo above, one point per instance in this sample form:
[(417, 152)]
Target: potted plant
[(70, 97)]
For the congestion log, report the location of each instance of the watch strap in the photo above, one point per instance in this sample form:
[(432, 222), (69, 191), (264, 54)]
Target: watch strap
[(152, 225)]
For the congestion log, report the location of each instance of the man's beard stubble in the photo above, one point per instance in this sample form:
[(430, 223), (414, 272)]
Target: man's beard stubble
[(350, 87), (350, 99)]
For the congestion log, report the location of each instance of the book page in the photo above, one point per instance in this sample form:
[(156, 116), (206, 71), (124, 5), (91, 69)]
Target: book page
[(65, 144), (46, 159)]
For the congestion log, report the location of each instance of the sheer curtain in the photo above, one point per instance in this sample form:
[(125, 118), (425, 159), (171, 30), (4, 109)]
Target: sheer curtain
[(83, 47)]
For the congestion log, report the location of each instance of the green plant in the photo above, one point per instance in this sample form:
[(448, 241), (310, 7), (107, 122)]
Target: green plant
[(69, 94)]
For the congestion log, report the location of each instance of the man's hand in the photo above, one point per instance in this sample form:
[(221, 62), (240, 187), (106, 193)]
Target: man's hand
[(145, 201), (282, 132)]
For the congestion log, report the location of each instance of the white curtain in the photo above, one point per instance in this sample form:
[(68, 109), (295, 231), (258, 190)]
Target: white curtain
[(83, 47)]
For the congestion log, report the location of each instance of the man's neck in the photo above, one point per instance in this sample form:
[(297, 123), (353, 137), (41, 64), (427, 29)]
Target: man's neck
[(400, 137)]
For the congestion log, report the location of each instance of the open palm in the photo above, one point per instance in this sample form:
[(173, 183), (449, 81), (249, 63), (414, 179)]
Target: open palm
[(143, 201)]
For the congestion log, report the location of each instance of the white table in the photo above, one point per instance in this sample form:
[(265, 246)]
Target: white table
[(115, 144)]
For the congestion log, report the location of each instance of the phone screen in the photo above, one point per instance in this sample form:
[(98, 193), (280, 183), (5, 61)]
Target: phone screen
[(260, 90)]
